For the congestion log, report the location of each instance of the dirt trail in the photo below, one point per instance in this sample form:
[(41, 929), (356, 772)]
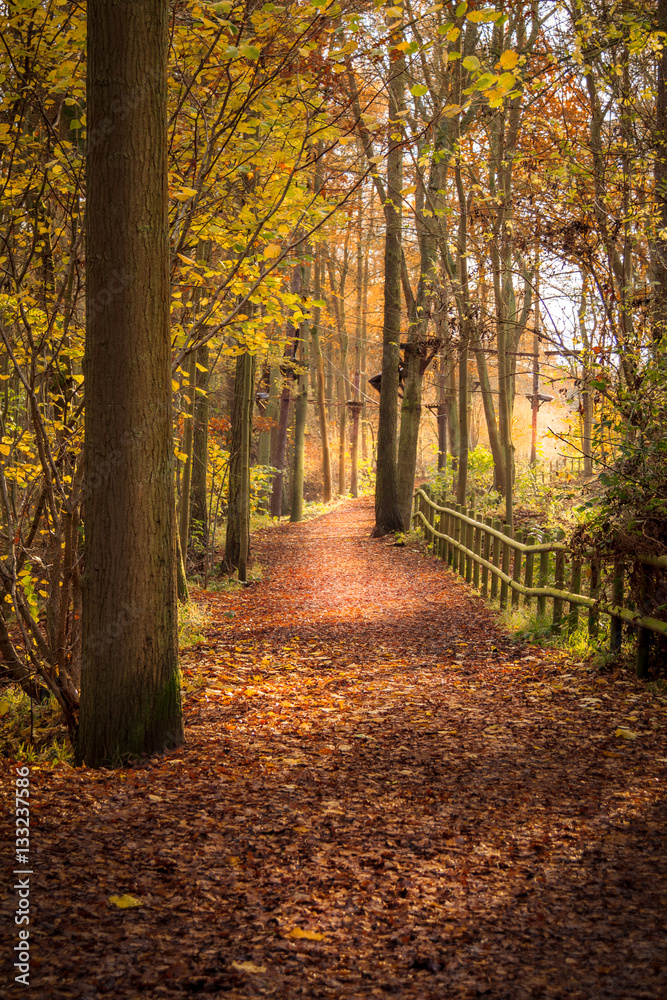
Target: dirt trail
[(380, 795)]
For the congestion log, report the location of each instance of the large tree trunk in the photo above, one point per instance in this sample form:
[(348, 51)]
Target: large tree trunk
[(130, 686), (387, 512)]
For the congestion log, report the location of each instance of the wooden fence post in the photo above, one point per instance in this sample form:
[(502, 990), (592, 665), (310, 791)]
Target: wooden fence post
[(456, 555), (516, 568), (544, 575), (594, 592), (441, 529), (644, 634), (530, 561), (575, 588), (504, 587), (486, 553), (559, 583), (616, 626), (496, 560), (469, 534), (478, 551), (462, 539), (446, 529), (431, 517)]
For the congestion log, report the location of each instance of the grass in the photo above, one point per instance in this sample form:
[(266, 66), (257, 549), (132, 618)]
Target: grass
[(192, 619), (526, 625)]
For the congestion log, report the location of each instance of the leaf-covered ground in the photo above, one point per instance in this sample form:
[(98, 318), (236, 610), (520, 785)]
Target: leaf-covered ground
[(380, 795)]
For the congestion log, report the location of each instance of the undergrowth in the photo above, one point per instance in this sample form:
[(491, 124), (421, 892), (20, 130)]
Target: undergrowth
[(33, 732), (527, 626)]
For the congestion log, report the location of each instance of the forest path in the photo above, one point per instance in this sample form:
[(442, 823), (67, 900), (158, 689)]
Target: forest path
[(380, 795)]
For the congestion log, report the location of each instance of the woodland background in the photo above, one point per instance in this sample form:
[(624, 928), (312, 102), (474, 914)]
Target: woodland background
[(467, 199)]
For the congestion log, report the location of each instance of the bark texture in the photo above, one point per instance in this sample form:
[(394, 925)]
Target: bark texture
[(130, 687)]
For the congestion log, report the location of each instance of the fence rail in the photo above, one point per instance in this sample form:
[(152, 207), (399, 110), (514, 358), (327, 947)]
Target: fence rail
[(486, 549)]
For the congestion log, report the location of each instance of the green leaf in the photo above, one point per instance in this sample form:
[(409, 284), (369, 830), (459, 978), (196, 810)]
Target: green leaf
[(250, 52), (471, 63), (418, 90), (485, 81)]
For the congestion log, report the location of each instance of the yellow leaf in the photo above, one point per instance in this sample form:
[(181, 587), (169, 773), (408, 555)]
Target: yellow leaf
[(272, 250), (174, 385), (248, 967), (4, 449), (125, 902), (181, 256), (626, 734), (308, 935), (4, 707), (508, 60), (184, 194)]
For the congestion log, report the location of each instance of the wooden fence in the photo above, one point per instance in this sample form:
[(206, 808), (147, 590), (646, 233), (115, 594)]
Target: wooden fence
[(496, 560)]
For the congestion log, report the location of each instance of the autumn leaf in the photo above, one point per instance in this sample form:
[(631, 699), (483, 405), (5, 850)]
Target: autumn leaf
[(248, 967), (626, 734), (125, 902), (508, 60), (300, 934)]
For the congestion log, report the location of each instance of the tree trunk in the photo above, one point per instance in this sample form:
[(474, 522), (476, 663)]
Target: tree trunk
[(238, 511), (287, 371), (442, 415), (660, 133), (130, 685), (462, 480), (266, 437), (278, 460), (198, 490), (181, 578), (411, 408), (363, 373), (387, 511), (264, 440), (300, 415), (454, 438), (244, 465), (188, 438)]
